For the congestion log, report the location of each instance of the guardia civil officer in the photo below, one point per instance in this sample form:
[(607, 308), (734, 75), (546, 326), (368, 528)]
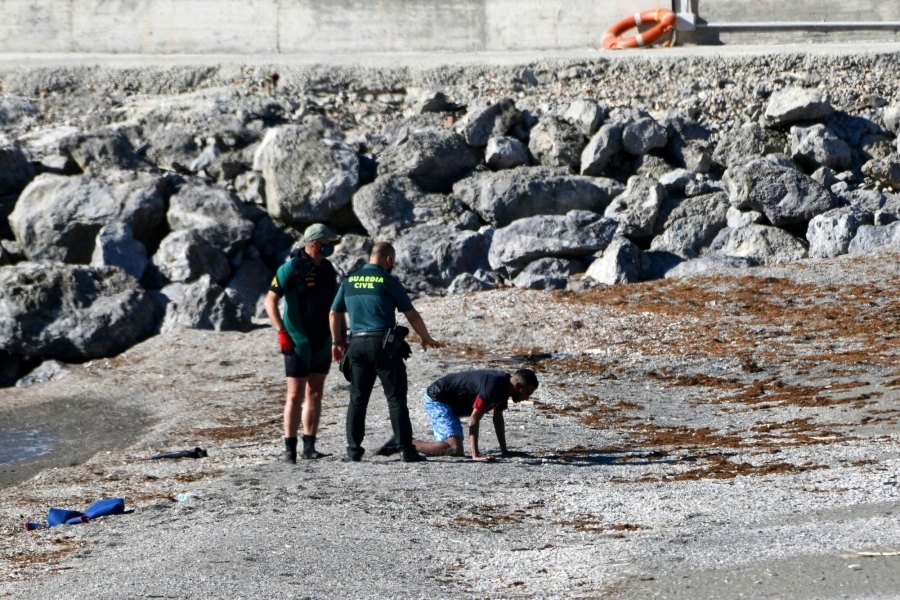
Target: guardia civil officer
[(308, 284), (371, 296)]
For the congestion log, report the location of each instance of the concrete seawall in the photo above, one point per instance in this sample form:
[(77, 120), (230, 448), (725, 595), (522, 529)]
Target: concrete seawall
[(354, 26)]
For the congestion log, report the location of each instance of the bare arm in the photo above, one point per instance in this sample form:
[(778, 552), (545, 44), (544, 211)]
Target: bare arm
[(271, 304), (500, 428), (474, 422), (338, 325), (418, 325)]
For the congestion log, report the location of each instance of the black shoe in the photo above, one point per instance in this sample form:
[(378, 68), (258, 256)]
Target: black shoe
[(389, 448), (348, 459), (289, 457), (312, 455), (411, 456)]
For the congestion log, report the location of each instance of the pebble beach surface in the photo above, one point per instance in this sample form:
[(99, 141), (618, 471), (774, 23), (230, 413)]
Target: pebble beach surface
[(728, 435)]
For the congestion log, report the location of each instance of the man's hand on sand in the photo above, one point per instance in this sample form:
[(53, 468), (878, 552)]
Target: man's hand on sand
[(430, 342)]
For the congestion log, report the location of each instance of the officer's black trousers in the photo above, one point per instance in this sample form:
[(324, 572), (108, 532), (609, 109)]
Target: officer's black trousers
[(368, 361)]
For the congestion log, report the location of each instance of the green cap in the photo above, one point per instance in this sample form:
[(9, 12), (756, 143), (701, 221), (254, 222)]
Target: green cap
[(318, 231)]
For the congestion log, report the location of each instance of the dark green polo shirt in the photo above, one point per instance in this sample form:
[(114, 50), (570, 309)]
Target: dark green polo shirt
[(308, 290), (371, 296)]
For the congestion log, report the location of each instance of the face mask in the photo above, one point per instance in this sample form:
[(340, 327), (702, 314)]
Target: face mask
[(326, 250)]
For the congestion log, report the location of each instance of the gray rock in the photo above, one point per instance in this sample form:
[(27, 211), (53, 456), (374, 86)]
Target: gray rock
[(71, 312), (502, 197), (829, 234), (692, 225), (434, 159), (431, 101), (43, 146), (485, 120), (577, 234), (819, 146), (16, 170), (14, 110), (643, 135), (227, 167), (651, 166), (205, 305), (605, 144), (250, 187), (869, 237), (824, 177), (307, 177), (393, 204), (701, 186), (548, 274), (637, 208), (792, 105), (526, 76), (555, 143), (619, 263), (169, 146), (213, 213), (505, 153), (871, 200), (891, 117), (49, 370), (587, 115), (185, 256), (748, 141), (784, 195), (10, 253), (351, 253), (274, 240), (739, 218), (760, 243), (465, 283), (434, 255), (886, 171), (708, 264), (689, 145), (208, 156), (99, 150), (58, 218), (675, 181), (884, 217), (116, 247), (249, 285)]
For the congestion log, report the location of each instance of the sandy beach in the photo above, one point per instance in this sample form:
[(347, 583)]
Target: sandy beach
[(710, 437)]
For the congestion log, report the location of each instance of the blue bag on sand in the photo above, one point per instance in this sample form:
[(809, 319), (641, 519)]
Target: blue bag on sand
[(104, 508), (100, 508)]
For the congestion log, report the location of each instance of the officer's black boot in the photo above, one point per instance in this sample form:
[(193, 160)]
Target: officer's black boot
[(290, 450), (309, 448), (411, 455)]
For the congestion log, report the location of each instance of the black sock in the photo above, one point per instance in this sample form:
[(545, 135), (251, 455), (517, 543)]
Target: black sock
[(290, 444), (309, 444)]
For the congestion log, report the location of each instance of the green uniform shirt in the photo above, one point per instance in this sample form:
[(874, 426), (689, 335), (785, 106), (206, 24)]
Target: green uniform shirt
[(308, 290), (371, 295)]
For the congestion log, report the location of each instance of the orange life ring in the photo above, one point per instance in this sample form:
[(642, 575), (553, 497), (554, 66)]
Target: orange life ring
[(665, 22)]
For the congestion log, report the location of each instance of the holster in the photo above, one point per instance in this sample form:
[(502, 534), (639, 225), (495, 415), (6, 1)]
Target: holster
[(393, 339), (344, 365)]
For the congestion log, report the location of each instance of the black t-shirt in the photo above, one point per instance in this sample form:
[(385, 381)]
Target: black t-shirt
[(481, 389)]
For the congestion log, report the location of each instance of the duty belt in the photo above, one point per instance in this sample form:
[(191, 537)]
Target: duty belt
[(376, 333)]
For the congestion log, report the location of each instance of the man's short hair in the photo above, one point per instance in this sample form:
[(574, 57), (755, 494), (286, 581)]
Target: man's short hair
[(526, 377), (383, 250)]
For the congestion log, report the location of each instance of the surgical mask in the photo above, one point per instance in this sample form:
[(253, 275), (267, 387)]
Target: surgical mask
[(327, 250)]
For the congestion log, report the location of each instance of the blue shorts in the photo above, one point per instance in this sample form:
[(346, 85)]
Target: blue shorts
[(444, 423)]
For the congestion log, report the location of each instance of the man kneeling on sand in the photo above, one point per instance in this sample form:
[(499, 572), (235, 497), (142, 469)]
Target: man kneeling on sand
[(472, 394)]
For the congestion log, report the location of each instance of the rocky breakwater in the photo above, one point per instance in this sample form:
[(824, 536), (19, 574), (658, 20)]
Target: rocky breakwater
[(133, 207)]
